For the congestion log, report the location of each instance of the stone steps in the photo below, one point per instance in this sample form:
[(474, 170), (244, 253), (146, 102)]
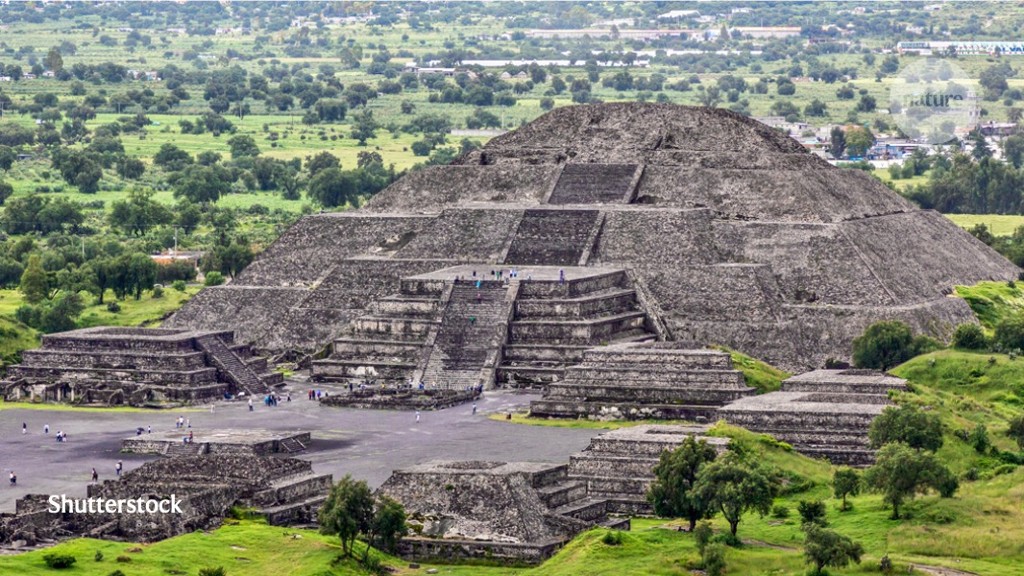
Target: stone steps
[(588, 463), (593, 184), (293, 489), (231, 366), (661, 393), (467, 336), (551, 237), (587, 509), (611, 300), (555, 408), (198, 376), (562, 494), (294, 512), (590, 331), (181, 449), (642, 376), (291, 445), (126, 360)]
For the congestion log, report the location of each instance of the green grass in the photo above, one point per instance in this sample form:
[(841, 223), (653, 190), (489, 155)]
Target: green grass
[(998, 224), (15, 337), (992, 301), (246, 547), (758, 374)]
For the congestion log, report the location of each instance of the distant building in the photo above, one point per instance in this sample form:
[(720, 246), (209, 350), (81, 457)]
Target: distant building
[(965, 47)]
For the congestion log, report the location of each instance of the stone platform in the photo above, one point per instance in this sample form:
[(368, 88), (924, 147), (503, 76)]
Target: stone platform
[(284, 490), (138, 367), (823, 413), (235, 442), (661, 380), (525, 511)]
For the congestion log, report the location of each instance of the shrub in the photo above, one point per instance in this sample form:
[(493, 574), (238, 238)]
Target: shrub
[(702, 536), (59, 561), (979, 439), (970, 337), (214, 279), (113, 307), (179, 285), (158, 292), (885, 565), (1010, 332), (612, 538), (116, 573), (883, 345), (713, 560), (218, 571), (812, 512), (780, 511), (98, 556), (124, 559)]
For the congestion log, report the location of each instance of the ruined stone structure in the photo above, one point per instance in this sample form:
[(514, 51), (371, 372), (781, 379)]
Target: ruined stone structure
[(661, 380), (824, 413), (285, 490), (525, 511), (138, 367), (670, 222), (232, 442)]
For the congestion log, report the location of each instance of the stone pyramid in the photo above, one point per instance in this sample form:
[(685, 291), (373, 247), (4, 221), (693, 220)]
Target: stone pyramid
[(623, 222)]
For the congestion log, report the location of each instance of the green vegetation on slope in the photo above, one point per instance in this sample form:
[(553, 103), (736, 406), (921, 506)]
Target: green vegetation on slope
[(992, 301), (758, 374), (15, 337)]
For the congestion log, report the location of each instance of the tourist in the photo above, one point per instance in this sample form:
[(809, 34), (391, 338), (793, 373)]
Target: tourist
[(561, 276), (472, 320), (118, 468), (474, 407), (417, 416), (46, 429), (95, 476), (24, 428), (14, 478), (189, 421), (149, 429), (190, 437), (250, 404)]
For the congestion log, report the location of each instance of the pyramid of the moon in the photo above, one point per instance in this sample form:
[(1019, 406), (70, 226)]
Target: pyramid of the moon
[(619, 223)]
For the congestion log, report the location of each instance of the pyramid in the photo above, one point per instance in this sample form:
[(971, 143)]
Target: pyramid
[(619, 223)]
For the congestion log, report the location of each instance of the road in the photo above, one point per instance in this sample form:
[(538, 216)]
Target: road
[(368, 444)]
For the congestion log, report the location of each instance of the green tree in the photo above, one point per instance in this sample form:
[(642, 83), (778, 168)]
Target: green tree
[(332, 187), (34, 283), (10, 272), (812, 512), (979, 439), (858, 140), (1016, 431), (845, 482), (671, 494), (901, 472), (139, 213), (347, 513), (201, 184), (6, 191), (60, 315), (171, 157), (970, 336), (388, 524), (734, 487), (1010, 332), (321, 162), (364, 127), (837, 142), (1013, 150), (54, 62), (7, 157), (243, 146), (883, 345), (824, 547), (906, 424)]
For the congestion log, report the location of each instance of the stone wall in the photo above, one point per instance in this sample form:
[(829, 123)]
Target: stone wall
[(431, 189)]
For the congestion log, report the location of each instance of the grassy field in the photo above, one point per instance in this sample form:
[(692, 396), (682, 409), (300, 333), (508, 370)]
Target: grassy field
[(760, 375), (998, 224), (149, 311)]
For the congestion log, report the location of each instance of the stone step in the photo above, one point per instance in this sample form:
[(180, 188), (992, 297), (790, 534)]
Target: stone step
[(293, 489), (622, 410), (328, 369), (593, 184), (534, 353), (399, 328), (295, 512), (562, 494), (617, 523), (272, 378), (707, 395), (70, 373), (573, 288), (528, 376), (350, 347), (590, 331), (606, 486), (179, 449), (62, 358), (589, 509), (610, 301), (596, 464), (291, 445)]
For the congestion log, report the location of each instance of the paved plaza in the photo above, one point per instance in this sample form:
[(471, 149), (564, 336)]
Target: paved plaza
[(368, 444)]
